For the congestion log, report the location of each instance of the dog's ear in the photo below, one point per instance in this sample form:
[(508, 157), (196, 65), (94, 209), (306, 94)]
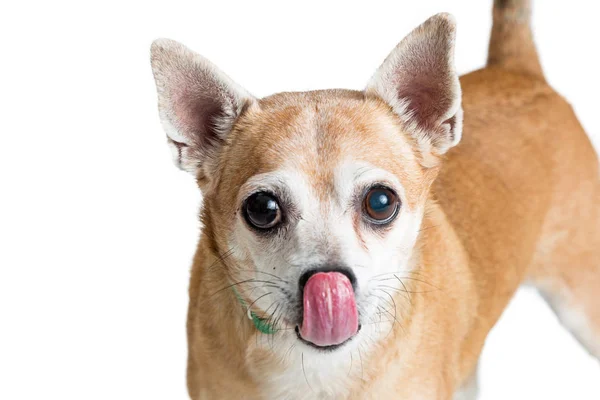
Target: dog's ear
[(419, 82), (198, 105)]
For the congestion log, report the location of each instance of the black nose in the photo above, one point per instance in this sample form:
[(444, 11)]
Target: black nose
[(327, 268)]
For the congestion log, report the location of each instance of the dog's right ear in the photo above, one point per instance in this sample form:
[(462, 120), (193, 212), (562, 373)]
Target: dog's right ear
[(198, 105)]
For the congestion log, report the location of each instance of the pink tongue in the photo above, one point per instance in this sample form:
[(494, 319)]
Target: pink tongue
[(330, 315)]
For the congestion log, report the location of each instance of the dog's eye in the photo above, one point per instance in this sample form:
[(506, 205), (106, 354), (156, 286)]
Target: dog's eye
[(381, 205), (262, 210)]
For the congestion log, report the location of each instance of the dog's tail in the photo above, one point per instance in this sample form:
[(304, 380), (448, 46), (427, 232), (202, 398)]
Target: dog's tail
[(511, 43)]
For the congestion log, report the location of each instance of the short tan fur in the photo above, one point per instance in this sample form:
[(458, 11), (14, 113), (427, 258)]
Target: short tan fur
[(508, 195)]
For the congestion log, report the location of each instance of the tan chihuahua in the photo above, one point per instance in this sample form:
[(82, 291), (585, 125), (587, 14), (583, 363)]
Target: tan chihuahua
[(349, 251)]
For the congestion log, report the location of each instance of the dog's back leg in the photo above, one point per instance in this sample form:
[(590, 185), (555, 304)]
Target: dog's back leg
[(470, 389), (566, 268)]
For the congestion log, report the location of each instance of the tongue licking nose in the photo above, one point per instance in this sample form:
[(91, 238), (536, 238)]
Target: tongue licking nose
[(330, 315)]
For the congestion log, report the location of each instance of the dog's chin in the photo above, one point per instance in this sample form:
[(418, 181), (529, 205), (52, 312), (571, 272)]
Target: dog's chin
[(328, 348)]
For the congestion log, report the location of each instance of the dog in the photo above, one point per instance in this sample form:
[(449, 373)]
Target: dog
[(358, 245)]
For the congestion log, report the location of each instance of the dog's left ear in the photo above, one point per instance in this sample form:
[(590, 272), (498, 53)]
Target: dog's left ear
[(418, 80)]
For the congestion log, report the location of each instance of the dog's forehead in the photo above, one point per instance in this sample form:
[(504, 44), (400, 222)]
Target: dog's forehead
[(316, 133)]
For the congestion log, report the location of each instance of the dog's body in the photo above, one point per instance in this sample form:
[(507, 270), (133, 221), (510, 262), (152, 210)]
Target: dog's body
[(517, 201)]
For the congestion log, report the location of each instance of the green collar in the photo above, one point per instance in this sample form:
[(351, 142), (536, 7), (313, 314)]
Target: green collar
[(261, 324)]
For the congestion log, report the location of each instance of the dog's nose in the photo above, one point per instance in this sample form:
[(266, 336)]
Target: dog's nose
[(327, 268)]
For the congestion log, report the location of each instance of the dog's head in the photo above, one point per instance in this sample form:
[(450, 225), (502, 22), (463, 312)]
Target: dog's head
[(314, 200)]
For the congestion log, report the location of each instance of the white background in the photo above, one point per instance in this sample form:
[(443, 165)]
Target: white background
[(97, 227)]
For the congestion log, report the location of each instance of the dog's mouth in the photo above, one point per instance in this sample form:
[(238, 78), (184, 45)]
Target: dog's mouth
[(330, 315), (324, 348)]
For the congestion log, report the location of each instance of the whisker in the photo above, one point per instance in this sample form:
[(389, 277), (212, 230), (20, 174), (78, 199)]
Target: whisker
[(264, 273), (350, 369), (242, 282), (404, 291), (404, 286), (379, 322), (399, 272), (269, 321), (419, 280), (394, 316), (260, 297), (390, 313), (288, 352), (221, 258), (362, 370), (304, 371)]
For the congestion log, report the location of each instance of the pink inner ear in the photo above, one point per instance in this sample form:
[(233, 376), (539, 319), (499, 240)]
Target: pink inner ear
[(197, 113), (425, 83), (426, 104)]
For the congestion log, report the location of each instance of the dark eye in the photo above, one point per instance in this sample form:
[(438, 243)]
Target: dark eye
[(262, 210), (381, 205)]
